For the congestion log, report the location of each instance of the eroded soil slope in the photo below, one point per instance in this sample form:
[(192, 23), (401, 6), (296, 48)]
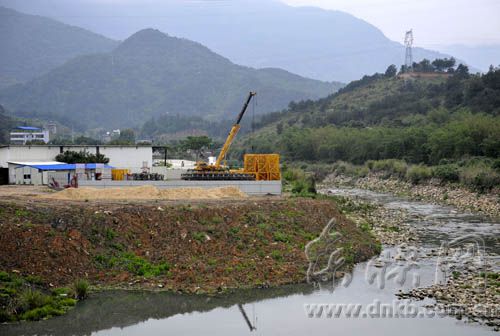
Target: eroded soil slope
[(197, 246)]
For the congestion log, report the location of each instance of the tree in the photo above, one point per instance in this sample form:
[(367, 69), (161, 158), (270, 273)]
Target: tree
[(83, 140), (279, 128), (196, 143), (423, 66), (444, 64), (81, 157), (391, 71), (462, 71), (126, 137)]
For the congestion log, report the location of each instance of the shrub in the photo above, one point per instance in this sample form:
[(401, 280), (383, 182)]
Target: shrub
[(344, 168), (480, 177), (81, 288), (362, 171), (31, 299), (391, 167), (39, 313), (447, 172), (417, 174), (4, 276)]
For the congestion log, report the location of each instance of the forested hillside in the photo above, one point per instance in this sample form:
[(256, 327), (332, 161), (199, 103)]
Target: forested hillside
[(152, 74), (444, 116), (33, 45)]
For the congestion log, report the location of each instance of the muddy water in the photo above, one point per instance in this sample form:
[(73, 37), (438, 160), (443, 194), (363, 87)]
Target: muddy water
[(283, 311)]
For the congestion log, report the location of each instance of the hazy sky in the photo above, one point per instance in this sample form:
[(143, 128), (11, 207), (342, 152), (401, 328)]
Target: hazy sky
[(434, 22)]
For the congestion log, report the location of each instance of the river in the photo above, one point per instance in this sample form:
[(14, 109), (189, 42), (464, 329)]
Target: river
[(285, 310)]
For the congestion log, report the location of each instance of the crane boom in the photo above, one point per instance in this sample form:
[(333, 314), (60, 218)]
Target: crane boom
[(234, 130)]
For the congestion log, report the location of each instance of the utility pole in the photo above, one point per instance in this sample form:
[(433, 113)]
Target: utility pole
[(409, 53)]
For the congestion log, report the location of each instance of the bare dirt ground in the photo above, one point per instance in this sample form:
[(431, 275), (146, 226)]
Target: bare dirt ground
[(187, 245)]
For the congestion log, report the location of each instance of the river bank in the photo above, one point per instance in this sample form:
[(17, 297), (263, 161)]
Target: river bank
[(446, 194), (469, 270), (197, 247)]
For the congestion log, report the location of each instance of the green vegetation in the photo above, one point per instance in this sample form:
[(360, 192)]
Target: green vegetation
[(81, 157), (481, 174), (26, 298), (81, 288), (126, 137), (446, 126), (149, 74), (298, 182), (130, 262)]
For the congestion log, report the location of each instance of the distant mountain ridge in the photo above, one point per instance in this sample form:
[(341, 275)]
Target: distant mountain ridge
[(150, 74), (312, 42), (32, 45)]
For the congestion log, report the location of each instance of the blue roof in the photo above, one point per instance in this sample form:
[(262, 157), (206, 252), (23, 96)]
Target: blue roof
[(64, 166), (54, 167), (28, 128)]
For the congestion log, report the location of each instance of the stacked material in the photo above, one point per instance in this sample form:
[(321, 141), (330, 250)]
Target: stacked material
[(146, 192), (265, 167)]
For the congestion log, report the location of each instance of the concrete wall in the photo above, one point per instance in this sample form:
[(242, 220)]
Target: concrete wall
[(253, 188)]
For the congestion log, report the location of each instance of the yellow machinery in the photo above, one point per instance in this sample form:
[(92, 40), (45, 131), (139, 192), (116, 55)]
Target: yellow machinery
[(265, 167), (217, 171)]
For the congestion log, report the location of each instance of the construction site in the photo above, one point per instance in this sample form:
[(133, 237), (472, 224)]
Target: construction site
[(134, 167)]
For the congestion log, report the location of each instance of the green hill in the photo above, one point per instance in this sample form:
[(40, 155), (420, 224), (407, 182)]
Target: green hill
[(32, 45), (424, 119), (151, 74)]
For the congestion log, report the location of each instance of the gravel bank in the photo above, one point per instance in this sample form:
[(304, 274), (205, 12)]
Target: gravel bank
[(454, 195)]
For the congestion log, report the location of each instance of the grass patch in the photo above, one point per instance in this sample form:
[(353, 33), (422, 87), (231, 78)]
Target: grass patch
[(281, 237), (110, 234), (128, 261), (81, 288), (277, 255), (25, 299), (199, 236)]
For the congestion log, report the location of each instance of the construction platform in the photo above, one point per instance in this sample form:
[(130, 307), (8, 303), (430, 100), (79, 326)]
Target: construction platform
[(251, 188)]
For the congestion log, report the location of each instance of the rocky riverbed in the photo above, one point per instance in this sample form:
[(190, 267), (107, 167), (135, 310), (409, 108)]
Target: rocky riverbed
[(448, 194), (469, 278), (389, 226), (471, 295)]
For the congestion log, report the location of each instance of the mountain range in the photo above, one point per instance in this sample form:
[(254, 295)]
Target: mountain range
[(33, 45), (152, 74), (312, 42)]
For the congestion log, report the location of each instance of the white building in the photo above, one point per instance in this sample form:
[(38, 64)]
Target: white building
[(23, 134), (133, 158)]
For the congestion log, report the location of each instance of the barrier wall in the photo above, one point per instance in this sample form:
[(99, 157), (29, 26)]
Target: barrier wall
[(252, 188)]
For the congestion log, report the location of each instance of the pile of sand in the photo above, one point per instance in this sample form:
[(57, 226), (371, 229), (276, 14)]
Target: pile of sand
[(146, 192)]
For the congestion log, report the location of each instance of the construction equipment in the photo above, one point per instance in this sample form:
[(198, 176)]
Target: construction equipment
[(217, 171)]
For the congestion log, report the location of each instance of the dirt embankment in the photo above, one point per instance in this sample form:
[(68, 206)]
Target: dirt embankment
[(202, 246)]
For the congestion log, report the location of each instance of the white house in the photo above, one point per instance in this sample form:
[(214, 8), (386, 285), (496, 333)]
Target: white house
[(23, 134)]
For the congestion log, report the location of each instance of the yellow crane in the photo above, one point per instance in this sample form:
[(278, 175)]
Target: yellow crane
[(217, 171)]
